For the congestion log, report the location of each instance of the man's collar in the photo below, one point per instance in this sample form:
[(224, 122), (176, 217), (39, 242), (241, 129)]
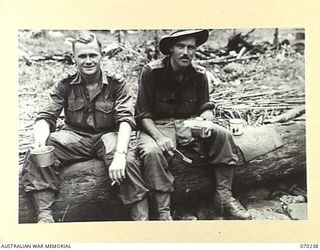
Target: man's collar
[(104, 78), (78, 78)]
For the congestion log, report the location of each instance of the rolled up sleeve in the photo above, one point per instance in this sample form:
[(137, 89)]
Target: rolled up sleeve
[(53, 109), (145, 95), (124, 111)]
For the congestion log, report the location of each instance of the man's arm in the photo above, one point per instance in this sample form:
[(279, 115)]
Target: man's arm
[(52, 110), (41, 132), (125, 119), (144, 104), (118, 165), (206, 106), (207, 115), (124, 111), (46, 118), (164, 142), (146, 95)]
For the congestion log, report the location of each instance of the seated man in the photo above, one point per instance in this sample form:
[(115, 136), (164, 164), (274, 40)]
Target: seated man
[(98, 122), (171, 90)]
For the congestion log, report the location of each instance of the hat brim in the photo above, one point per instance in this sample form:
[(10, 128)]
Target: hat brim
[(167, 41)]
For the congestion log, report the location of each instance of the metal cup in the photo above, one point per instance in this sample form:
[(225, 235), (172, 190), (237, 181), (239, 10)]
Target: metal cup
[(236, 126), (43, 156), (198, 132)]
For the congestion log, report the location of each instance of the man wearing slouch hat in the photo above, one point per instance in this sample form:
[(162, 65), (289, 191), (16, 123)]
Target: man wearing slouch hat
[(172, 90)]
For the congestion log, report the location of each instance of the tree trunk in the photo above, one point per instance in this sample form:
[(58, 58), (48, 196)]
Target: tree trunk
[(86, 194)]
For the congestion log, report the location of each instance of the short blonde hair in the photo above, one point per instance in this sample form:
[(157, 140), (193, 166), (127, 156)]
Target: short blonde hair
[(86, 37)]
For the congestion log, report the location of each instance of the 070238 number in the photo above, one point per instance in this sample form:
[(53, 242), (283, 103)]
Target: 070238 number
[(309, 246)]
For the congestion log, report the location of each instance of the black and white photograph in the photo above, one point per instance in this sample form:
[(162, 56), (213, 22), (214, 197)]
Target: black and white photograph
[(161, 125)]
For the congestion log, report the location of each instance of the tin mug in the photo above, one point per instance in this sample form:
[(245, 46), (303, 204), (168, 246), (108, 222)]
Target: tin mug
[(236, 126), (43, 156)]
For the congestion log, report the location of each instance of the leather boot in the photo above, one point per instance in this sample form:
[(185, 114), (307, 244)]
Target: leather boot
[(234, 210), (140, 210), (162, 201), (227, 205), (42, 201)]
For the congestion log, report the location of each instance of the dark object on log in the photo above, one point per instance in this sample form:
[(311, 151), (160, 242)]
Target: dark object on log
[(237, 42), (86, 194)]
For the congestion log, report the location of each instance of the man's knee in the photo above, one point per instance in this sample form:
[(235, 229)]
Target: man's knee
[(132, 160), (133, 166), (109, 137), (150, 150), (109, 141), (223, 133), (64, 137)]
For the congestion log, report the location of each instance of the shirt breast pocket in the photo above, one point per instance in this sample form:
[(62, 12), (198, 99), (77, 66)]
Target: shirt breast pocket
[(75, 111), (165, 105), (104, 114), (191, 106)]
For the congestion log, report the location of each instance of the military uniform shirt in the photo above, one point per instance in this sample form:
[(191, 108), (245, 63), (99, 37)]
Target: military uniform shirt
[(110, 105), (160, 96)]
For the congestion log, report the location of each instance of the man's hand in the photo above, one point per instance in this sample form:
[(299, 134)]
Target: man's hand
[(165, 144), (117, 168), (207, 115), (206, 133), (38, 144)]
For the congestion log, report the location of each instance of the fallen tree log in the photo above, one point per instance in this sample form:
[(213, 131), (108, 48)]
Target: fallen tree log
[(86, 194), (292, 113)]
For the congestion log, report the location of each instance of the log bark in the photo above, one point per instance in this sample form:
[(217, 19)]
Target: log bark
[(86, 194)]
